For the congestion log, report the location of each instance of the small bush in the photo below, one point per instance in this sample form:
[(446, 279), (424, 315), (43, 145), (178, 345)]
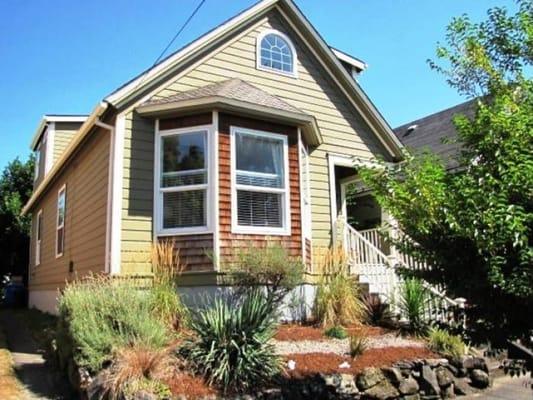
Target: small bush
[(413, 301), (139, 368), (270, 267), (375, 311), (358, 345), (337, 299), (99, 315), (336, 332), (443, 342), (232, 348)]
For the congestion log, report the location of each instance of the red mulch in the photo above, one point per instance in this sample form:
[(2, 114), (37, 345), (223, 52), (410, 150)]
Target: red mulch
[(193, 386), (293, 332), (313, 363)]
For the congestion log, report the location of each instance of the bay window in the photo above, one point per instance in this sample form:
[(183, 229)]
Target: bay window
[(182, 180), (260, 182)]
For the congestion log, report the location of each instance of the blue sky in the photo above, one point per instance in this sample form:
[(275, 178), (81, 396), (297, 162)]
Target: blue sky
[(63, 56)]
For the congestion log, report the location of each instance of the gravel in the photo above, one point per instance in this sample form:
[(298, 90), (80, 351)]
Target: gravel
[(341, 346)]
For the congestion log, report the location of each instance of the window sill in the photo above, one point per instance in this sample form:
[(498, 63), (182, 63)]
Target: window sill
[(183, 231), (293, 75), (254, 230)]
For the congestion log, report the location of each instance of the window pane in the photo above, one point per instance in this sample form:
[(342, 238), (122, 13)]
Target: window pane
[(182, 156), (61, 209), (60, 237), (259, 161), (259, 209), (184, 209), (272, 48)]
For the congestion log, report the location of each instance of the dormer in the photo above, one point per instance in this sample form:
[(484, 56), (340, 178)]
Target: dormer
[(52, 137)]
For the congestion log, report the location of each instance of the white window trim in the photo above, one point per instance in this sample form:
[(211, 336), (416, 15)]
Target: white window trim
[(37, 167), (38, 238), (58, 227), (285, 230), (294, 73), (208, 186)]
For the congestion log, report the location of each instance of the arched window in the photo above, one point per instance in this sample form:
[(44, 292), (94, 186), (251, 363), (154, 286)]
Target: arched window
[(276, 52)]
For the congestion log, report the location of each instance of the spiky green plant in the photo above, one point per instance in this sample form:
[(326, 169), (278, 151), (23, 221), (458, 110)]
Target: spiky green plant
[(413, 300), (358, 345), (232, 348), (336, 332)]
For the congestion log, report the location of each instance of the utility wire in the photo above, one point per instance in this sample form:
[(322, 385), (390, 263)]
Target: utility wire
[(200, 4)]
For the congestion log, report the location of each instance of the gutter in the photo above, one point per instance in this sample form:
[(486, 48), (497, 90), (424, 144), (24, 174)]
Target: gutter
[(90, 122)]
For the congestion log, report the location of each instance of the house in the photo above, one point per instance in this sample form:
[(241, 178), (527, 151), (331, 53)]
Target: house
[(243, 136)]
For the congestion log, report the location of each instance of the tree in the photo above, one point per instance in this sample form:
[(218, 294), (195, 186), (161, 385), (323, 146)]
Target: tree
[(475, 226), (16, 185)]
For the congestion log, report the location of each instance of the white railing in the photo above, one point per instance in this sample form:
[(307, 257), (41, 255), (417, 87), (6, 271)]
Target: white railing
[(375, 268)]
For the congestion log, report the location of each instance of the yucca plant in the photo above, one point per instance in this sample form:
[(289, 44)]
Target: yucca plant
[(232, 348), (375, 311), (337, 300), (413, 302)]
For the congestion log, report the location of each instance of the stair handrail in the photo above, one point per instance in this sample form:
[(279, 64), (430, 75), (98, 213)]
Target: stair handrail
[(354, 232)]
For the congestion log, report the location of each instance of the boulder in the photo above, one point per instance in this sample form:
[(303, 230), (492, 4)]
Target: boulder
[(448, 392), (272, 394), (394, 375), (428, 381), (347, 386), (415, 396), (444, 376), (435, 362), (408, 386), (461, 387), (479, 378), (382, 391), (369, 377)]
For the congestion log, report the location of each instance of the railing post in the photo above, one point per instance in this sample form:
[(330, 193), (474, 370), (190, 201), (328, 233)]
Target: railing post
[(461, 312)]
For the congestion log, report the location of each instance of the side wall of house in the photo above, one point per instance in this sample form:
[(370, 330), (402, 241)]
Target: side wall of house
[(343, 129), (86, 179)]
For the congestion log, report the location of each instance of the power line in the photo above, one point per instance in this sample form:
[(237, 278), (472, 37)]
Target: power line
[(179, 31), (173, 39)]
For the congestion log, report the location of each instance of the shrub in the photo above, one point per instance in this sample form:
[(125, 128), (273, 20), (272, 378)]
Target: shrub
[(358, 345), (375, 311), (167, 266), (100, 315), (337, 299), (336, 332), (270, 266), (443, 342), (413, 300), (232, 348), (139, 368)]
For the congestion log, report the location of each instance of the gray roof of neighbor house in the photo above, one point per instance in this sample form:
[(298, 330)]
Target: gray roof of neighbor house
[(235, 89), (436, 132)]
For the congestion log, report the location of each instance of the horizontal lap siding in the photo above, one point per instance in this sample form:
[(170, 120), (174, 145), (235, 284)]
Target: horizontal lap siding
[(231, 243), (86, 179), (64, 132), (343, 129)]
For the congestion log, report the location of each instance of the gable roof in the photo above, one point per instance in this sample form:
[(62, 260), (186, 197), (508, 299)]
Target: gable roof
[(295, 18), (436, 132)]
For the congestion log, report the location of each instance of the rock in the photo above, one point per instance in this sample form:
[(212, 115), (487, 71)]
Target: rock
[(347, 385), (444, 377), (479, 378), (403, 364), (382, 391), (415, 396), (95, 390), (408, 386), (461, 387), (448, 392), (394, 375), (435, 362), (369, 377), (272, 394), (477, 363), (428, 381), (454, 370)]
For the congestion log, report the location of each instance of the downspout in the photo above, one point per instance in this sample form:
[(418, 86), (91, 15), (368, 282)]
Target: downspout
[(109, 221)]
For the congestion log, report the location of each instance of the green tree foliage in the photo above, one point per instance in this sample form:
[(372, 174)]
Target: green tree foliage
[(475, 225), (16, 185)]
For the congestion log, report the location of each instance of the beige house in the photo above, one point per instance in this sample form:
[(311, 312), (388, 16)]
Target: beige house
[(248, 133)]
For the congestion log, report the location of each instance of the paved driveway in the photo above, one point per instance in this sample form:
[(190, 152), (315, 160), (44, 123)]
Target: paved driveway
[(506, 388)]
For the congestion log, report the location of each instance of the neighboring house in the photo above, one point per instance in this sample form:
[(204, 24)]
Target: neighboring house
[(243, 136), (436, 133)]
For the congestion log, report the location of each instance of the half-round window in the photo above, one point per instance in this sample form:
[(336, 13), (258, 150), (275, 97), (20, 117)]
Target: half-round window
[(276, 53)]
